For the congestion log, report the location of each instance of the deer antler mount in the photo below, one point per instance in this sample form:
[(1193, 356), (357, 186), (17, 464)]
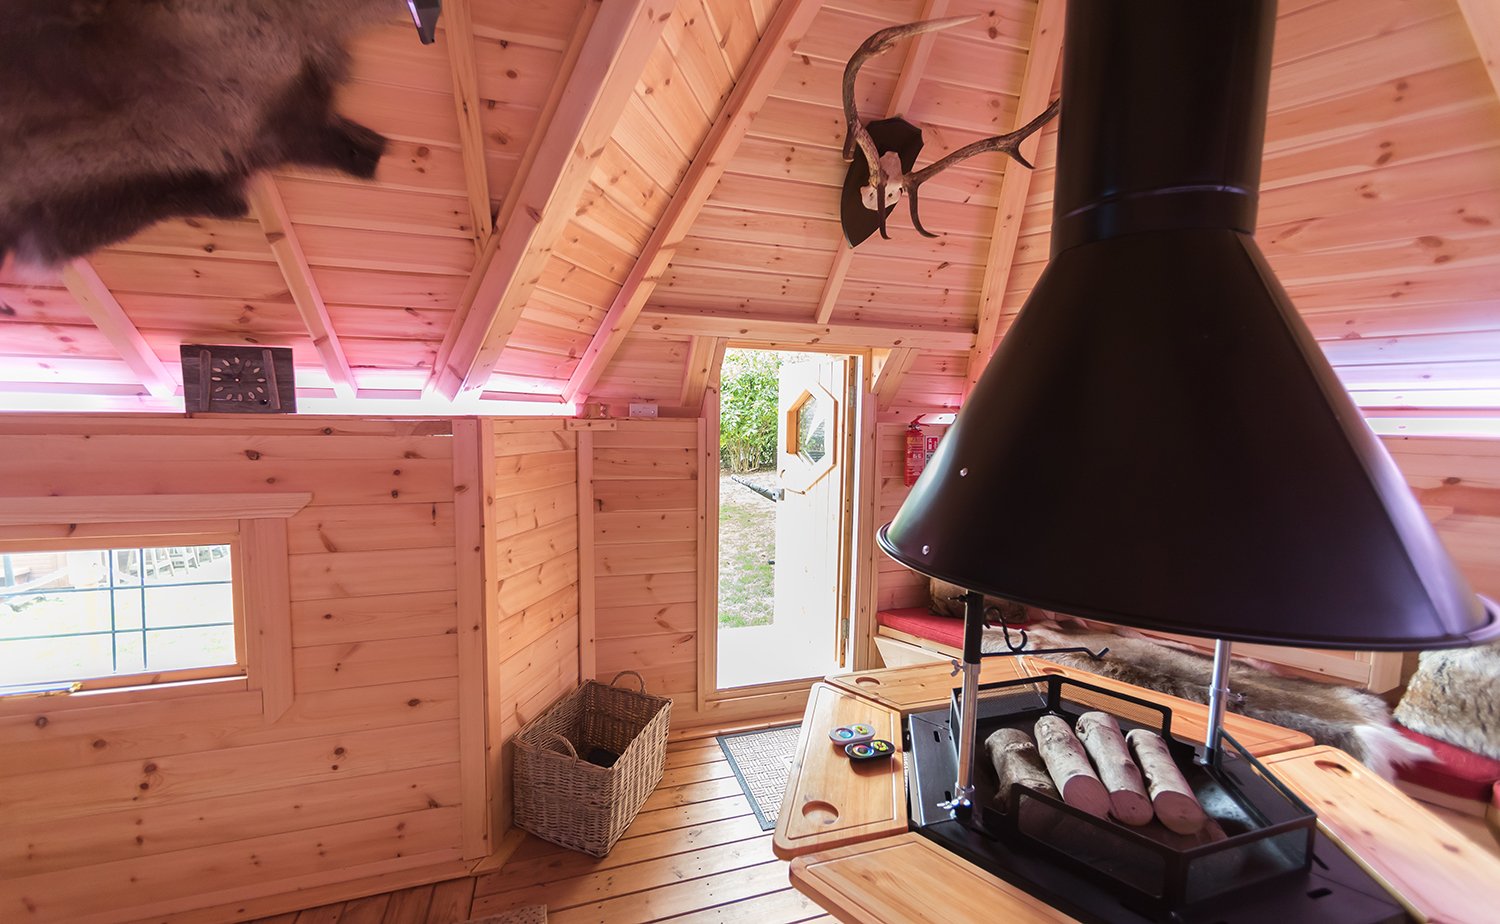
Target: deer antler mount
[(886, 166)]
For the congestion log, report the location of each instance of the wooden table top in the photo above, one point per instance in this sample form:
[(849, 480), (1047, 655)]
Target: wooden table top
[(871, 875)]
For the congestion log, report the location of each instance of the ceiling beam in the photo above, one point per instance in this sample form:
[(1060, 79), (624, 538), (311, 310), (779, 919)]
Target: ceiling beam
[(917, 53), (620, 40), (892, 372), (458, 36), (788, 25), (803, 335), (704, 359), (1484, 24), (1015, 185), (102, 308), (270, 211)]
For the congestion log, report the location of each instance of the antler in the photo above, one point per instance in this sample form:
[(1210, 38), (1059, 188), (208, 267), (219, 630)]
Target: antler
[(856, 134), (881, 177), (1009, 143)]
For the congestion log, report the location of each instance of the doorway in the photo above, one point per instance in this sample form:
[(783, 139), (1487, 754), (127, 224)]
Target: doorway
[(785, 473)]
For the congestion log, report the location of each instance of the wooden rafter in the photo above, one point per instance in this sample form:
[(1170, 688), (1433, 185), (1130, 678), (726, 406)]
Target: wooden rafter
[(804, 335), (102, 308), (458, 36), (1484, 24), (1036, 86), (704, 360), (888, 379), (787, 27), (270, 211), (610, 61), (917, 54)]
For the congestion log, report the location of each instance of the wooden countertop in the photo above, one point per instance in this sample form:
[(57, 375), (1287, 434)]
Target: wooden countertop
[(831, 800), (874, 871)]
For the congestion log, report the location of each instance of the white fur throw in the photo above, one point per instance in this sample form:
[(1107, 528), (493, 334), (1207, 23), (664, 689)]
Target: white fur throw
[(1455, 697)]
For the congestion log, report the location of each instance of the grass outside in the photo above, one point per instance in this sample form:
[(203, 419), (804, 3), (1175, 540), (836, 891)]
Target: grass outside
[(747, 546)]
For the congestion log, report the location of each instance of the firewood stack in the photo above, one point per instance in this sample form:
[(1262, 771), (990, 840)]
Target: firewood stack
[(1131, 779)]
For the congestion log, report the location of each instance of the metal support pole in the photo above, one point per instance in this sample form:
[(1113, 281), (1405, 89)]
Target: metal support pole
[(968, 703), (1218, 696)]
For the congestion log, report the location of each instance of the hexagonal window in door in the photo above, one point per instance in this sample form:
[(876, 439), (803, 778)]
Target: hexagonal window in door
[(812, 431)]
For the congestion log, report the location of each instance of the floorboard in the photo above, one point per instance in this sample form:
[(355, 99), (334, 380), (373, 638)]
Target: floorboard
[(695, 855)]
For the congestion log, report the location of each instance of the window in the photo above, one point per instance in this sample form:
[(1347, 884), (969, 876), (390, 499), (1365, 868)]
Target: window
[(73, 618), (114, 599)]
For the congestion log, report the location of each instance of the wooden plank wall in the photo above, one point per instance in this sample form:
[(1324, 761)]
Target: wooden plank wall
[(534, 637), (1458, 483), (645, 565), (118, 812)]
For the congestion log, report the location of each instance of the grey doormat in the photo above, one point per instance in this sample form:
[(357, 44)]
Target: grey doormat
[(761, 761)]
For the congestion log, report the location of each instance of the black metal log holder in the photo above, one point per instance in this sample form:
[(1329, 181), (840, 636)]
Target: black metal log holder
[(1272, 864)]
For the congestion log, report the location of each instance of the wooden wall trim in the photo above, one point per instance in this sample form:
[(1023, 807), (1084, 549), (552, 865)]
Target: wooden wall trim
[(131, 508), (786, 29), (99, 303), (888, 380), (267, 600), (587, 632), (708, 549), (473, 470), (765, 333), (1015, 184), (619, 42)]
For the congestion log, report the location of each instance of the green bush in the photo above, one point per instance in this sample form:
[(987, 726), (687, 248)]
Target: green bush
[(747, 410)]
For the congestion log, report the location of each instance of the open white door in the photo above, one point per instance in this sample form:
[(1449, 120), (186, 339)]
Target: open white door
[(809, 525)]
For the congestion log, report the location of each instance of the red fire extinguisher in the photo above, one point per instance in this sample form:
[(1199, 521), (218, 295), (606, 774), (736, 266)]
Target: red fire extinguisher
[(916, 453)]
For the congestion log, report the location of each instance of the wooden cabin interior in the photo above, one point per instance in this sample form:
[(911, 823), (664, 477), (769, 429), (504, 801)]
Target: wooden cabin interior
[(503, 475)]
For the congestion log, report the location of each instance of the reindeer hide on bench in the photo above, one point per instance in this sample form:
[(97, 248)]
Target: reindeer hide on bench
[(115, 114)]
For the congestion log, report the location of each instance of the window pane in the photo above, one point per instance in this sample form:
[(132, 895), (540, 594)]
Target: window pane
[(74, 615), (174, 649)]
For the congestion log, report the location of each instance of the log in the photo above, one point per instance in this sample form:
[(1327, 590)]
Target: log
[(1068, 763), (1017, 764), (1101, 738), (1171, 796)]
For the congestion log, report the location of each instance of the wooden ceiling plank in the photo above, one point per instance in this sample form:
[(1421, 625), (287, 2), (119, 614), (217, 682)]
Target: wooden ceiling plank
[(95, 298), (704, 359), (917, 53), (892, 373), (614, 54), (1015, 185), (1483, 17), (270, 211), (458, 36), (787, 27)]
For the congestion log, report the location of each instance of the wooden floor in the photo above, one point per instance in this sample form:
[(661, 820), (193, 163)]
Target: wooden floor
[(694, 855)]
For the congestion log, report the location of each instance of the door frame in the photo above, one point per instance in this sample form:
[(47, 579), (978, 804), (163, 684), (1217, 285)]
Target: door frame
[(857, 573)]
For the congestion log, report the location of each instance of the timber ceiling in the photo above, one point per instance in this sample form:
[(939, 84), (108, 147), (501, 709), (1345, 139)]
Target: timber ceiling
[(589, 201)]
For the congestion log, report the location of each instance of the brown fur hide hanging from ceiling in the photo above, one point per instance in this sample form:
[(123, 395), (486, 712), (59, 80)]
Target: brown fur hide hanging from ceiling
[(115, 114)]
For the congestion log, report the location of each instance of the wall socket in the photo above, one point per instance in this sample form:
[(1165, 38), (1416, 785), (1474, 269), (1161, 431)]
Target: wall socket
[(647, 409)]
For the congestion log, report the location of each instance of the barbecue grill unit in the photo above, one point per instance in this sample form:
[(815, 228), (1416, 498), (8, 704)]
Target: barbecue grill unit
[(1159, 442)]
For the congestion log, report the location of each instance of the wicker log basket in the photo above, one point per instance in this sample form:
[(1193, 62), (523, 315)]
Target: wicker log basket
[(563, 798)]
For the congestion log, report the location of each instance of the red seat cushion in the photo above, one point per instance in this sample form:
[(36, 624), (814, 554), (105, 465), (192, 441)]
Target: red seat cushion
[(1456, 772), (919, 621)]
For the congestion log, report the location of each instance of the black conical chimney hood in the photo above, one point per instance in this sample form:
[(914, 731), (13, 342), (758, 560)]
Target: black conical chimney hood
[(1158, 441)]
